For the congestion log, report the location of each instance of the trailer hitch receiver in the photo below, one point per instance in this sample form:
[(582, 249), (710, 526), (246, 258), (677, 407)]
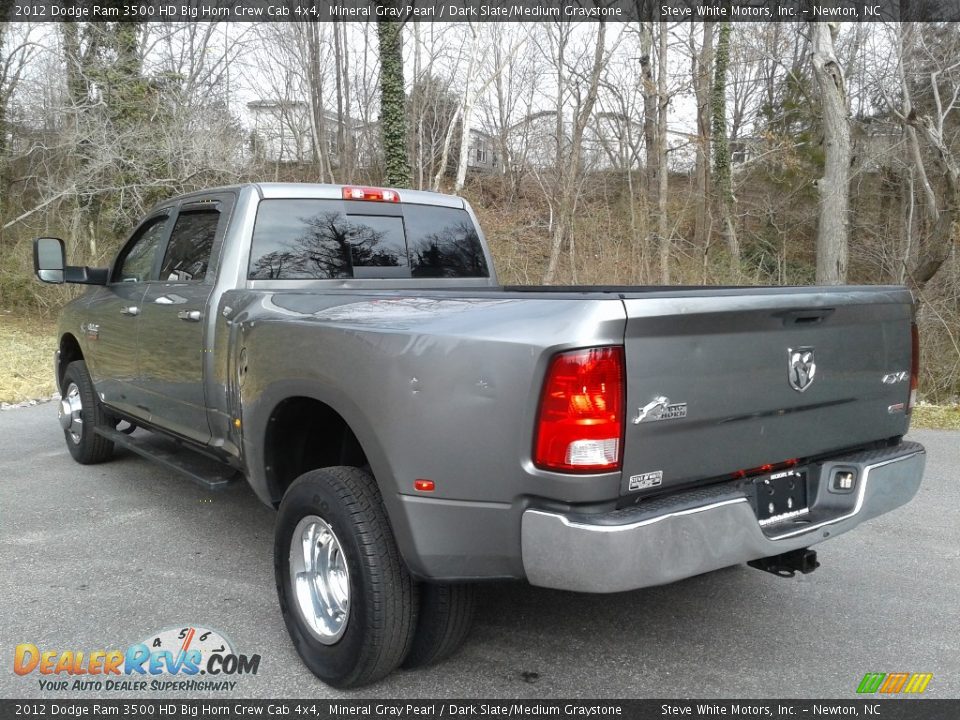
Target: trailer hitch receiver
[(788, 564)]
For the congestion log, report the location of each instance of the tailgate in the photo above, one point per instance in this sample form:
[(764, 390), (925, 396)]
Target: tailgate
[(736, 379)]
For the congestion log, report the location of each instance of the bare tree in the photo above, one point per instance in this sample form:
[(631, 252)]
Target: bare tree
[(513, 82), (16, 51), (832, 250), (569, 151), (702, 74), (663, 101), (649, 90), (721, 144), (466, 109), (345, 139), (936, 74)]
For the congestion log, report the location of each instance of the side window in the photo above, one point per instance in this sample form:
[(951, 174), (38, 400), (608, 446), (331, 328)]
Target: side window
[(295, 239), (443, 243), (138, 258), (191, 243)]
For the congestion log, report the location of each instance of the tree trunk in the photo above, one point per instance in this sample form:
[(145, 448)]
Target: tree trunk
[(393, 129), (721, 146), (338, 50), (466, 119), (318, 126), (570, 170), (702, 84), (560, 145), (445, 152), (940, 240), (663, 99), (348, 159), (832, 252), (4, 193), (649, 107), (941, 214)]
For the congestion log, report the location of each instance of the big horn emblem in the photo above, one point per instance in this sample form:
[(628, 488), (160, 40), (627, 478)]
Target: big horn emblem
[(801, 367)]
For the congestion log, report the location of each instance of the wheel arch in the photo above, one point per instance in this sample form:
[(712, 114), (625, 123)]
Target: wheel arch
[(265, 417), (301, 434), (70, 351)]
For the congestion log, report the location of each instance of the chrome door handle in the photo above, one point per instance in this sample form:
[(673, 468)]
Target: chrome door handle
[(131, 310), (189, 315)]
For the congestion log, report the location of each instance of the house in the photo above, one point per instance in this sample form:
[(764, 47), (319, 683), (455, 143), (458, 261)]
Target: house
[(482, 151), (283, 133)]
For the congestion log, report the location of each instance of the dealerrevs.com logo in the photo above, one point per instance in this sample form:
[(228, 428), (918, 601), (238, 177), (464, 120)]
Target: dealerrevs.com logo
[(189, 659)]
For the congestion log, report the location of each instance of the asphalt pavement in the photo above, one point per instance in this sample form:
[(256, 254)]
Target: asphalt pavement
[(104, 556)]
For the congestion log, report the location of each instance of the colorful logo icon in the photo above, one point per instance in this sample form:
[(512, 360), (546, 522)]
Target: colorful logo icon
[(891, 683)]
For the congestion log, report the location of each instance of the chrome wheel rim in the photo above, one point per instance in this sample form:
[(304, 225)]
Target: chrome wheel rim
[(71, 413), (319, 579)]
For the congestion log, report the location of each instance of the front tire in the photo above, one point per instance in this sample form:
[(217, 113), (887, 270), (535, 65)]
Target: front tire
[(347, 600), (80, 413)]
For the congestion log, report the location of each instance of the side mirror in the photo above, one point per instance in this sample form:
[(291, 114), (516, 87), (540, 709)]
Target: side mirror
[(48, 259), (50, 265)]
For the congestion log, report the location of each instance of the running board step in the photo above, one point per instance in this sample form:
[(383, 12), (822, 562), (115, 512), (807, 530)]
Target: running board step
[(206, 472)]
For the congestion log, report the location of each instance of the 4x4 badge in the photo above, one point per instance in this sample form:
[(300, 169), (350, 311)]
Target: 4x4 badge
[(801, 367)]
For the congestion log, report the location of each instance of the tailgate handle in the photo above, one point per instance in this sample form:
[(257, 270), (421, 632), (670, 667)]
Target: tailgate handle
[(805, 317)]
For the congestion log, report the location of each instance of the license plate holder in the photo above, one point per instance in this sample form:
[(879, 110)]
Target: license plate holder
[(781, 495)]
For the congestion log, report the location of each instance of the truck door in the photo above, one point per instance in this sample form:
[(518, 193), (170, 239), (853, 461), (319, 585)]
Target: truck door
[(112, 324), (175, 329)]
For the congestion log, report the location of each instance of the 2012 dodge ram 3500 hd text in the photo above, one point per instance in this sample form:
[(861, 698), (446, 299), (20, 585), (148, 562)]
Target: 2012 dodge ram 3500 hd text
[(421, 429)]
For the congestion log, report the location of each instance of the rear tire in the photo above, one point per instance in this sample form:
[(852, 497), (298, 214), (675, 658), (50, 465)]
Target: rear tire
[(80, 413), (446, 616), (350, 610)]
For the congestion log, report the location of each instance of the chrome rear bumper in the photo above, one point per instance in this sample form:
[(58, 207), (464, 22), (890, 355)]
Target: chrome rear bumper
[(679, 536)]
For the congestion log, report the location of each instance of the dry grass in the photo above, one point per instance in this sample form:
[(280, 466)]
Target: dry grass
[(936, 417), (26, 358)]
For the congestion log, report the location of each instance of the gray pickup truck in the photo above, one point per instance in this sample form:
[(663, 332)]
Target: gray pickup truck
[(421, 428)]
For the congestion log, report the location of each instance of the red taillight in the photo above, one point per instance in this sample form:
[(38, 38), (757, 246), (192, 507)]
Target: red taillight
[(580, 422), (351, 192), (914, 365)]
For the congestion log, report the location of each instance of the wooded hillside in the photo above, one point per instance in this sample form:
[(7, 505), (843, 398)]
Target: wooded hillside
[(644, 153)]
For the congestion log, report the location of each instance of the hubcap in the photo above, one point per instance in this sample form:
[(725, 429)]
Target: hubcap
[(319, 579), (71, 413)]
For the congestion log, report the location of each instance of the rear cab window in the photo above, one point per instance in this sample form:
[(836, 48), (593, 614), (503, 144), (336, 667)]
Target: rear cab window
[(313, 239)]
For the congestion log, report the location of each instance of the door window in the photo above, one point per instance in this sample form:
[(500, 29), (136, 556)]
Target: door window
[(191, 243), (139, 257)]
